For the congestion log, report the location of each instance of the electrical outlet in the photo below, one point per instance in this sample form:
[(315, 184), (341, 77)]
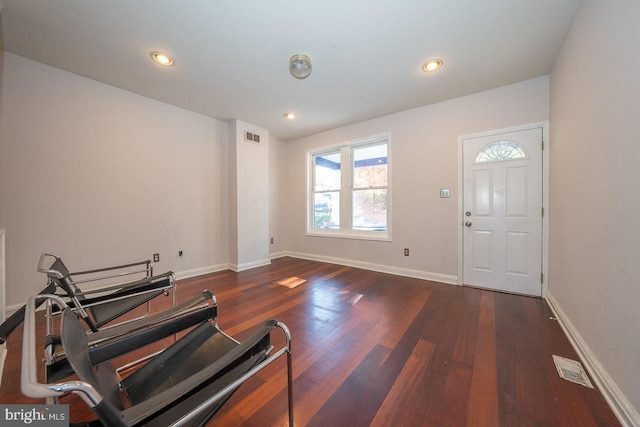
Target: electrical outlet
[(406, 251), (180, 253), (156, 257)]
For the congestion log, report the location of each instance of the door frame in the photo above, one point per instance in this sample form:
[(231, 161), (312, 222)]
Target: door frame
[(545, 196)]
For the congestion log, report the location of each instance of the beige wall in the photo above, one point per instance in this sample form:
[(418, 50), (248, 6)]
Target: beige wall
[(424, 158), (594, 197), (100, 176)]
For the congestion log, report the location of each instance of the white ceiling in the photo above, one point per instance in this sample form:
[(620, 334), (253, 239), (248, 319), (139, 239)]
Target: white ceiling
[(231, 56)]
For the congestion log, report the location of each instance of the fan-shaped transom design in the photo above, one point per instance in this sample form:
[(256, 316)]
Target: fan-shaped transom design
[(500, 150)]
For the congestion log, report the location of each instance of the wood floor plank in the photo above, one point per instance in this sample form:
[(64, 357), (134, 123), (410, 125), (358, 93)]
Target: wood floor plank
[(466, 313), (401, 408), (330, 373), (451, 370), (483, 396), (353, 401)]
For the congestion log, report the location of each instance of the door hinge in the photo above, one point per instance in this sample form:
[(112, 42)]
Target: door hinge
[(542, 145), (542, 213), (541, 277)]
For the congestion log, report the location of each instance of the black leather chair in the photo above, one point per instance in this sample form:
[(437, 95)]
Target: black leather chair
[(186, 384)]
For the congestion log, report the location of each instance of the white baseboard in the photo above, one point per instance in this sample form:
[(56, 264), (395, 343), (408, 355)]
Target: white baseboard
[(280, 254), (201, 271), (416, 274), (620, 405), (249, 265)]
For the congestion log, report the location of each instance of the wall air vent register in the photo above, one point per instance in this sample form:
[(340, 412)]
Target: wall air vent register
[(252, 137)]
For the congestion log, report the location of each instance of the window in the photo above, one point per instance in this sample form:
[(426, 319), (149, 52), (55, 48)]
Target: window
[(500, 150), (349, 190), (326, 193)]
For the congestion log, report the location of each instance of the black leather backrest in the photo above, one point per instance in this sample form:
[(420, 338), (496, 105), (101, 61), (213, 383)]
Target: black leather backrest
[(74, 341)]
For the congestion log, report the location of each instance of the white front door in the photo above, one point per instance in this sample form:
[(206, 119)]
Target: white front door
[(502, 217)]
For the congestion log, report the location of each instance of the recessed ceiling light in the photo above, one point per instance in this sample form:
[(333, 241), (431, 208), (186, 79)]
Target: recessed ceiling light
[(290, 116), (161, 58), (432, 65)]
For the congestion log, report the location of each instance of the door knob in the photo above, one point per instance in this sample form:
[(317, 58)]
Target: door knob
[(468, 223)]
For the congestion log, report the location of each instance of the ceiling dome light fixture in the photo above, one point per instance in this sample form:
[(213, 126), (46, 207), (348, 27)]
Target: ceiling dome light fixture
[(161, 58), (290, 116), (432, 65), (300, 66)]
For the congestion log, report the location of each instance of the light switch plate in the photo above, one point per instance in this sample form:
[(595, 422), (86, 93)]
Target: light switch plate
[(444, 192)]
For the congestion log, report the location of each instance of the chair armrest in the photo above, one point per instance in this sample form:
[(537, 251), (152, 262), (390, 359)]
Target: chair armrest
[(148, 270), (166, 280), (115, 271), (49, 271)]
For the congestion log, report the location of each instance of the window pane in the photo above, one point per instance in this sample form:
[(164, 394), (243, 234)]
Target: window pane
[(326, 210), (370, 166), (500, 150), (370, 210), (327, 172)]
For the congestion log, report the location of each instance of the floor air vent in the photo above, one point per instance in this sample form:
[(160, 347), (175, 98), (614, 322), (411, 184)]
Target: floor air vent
[(571, 370)]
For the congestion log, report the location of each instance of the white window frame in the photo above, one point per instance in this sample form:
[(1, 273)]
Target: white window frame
[(346, 230)]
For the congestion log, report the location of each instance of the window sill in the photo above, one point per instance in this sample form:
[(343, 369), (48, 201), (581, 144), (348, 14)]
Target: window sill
[(380, 236)]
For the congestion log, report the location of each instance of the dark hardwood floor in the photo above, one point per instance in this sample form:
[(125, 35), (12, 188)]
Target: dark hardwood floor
[(376, 349)]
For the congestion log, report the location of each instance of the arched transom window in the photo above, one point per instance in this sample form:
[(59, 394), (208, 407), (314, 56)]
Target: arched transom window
[(500, 150)]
